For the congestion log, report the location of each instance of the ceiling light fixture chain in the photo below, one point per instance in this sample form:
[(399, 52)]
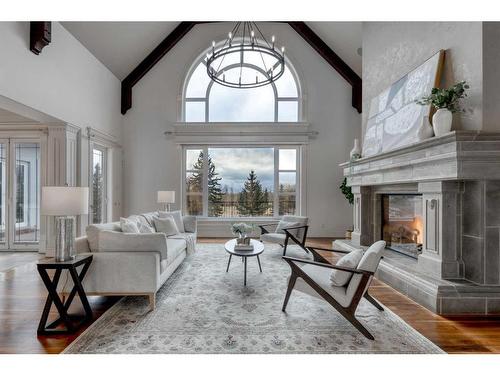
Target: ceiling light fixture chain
[(245, 48)]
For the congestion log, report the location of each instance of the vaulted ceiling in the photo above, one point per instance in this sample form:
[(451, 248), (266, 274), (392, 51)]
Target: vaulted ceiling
[(121, 46)]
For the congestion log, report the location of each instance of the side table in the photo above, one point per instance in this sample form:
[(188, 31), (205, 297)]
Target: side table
[(72, 323)]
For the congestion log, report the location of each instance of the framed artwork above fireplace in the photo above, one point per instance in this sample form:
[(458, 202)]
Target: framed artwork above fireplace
[(394, 118)]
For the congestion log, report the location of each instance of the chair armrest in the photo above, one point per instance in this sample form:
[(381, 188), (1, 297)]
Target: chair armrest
[(266, 225), (302, 242), (110, 241), (263, 229), (292, 228), (312, 248), (190, 224), (327, 265)]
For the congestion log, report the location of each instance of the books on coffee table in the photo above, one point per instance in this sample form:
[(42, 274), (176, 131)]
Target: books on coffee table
[(242, 247)]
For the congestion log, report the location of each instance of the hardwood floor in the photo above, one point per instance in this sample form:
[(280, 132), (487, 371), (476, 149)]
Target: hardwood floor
[(22, 296)]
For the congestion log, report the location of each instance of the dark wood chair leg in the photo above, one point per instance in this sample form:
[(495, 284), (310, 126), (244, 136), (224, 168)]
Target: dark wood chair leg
[(373, 301), (291, 284), (361, 328), (285, 245)]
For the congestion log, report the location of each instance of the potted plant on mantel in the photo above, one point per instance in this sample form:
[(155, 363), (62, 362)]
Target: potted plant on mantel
[(446, 101), (347, 191)]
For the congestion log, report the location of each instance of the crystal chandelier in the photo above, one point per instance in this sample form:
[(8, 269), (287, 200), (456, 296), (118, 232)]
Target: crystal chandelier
[(246, 59)]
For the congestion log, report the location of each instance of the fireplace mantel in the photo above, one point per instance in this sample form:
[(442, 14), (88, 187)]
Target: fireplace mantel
[(459, 155), (458, 177)]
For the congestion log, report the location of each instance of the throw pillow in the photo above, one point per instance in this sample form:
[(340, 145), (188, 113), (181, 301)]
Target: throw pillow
[(166, 225), (176, 215), (128, 226), (351, 260), (144, 228), (284, 225)]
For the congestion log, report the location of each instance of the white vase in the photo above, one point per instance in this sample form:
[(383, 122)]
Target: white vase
[(441, 121), (425, 131), (356, 151)]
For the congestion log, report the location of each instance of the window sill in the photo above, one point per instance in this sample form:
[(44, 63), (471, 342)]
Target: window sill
[(210, 220), (241, 132)]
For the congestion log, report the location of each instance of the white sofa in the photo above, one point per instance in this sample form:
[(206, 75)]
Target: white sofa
[(132, 264)]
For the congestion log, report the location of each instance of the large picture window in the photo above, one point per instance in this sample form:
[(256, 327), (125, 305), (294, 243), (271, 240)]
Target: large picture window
[(250, 181), (205, 101)]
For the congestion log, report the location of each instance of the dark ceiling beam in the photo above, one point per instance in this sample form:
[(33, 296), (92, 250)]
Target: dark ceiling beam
[(184, 27), (40, 35), (147, 64), (331, 58)]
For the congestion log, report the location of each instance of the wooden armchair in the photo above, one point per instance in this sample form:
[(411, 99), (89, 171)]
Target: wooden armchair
[(283, 239), (313, 277)]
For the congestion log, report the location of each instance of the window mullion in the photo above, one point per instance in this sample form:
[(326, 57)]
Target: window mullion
[(205, 181), (276, 183), (298, 193)]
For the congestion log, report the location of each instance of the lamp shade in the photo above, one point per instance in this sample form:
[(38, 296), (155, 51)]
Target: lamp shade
[(166, 197), (65, 200)]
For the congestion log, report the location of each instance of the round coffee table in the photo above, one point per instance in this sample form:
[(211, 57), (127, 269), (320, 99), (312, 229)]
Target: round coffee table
[(258, 248)]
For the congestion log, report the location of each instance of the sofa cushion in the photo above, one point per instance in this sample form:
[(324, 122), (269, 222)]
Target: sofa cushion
[(148, 217), (190, 224), (175, 246), (145, 228), (110, 241), (166, 225), (351, 260), (176, 215), (128, 225), (190, 239), (93, 233)]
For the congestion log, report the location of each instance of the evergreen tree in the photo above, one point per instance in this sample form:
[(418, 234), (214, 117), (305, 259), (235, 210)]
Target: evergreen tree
[(252, 200), (215, 193), (97, 185), (266, 199)]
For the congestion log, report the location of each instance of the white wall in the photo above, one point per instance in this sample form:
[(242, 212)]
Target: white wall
[(65, 81), (392, 49), (65, 84), (152, 162)]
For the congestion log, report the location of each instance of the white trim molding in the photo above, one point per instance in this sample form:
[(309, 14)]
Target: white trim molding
[(102, 138), (240, 133)]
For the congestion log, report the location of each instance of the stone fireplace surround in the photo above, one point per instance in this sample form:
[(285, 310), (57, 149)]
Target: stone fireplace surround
[(458, 175)]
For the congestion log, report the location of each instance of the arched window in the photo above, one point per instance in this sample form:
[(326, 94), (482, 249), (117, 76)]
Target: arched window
[(207, 101)]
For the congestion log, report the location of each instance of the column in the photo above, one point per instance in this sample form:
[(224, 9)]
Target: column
[(362, 216), (441, 206)]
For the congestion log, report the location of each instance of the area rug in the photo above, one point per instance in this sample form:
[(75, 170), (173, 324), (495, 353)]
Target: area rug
[(203, 309)]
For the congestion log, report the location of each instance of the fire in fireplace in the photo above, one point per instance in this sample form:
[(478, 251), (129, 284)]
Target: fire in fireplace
[(402, 225)]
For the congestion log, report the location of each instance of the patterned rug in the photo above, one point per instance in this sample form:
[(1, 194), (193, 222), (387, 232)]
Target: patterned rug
[(203, 309)]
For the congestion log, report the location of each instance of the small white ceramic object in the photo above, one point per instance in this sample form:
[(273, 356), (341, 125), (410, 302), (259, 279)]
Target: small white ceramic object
[(356, 151), (425, 131), (441, 121)]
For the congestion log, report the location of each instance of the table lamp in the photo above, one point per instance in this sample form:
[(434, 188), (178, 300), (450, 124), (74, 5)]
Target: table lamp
[(167, 198), (65, 203)]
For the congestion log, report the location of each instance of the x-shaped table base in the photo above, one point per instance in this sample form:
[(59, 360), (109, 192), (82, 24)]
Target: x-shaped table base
[(72, 323)]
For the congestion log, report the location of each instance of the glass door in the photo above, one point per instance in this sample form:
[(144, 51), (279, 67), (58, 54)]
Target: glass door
[(24, 184), (4, 241), (20, 184), (99, 197)]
